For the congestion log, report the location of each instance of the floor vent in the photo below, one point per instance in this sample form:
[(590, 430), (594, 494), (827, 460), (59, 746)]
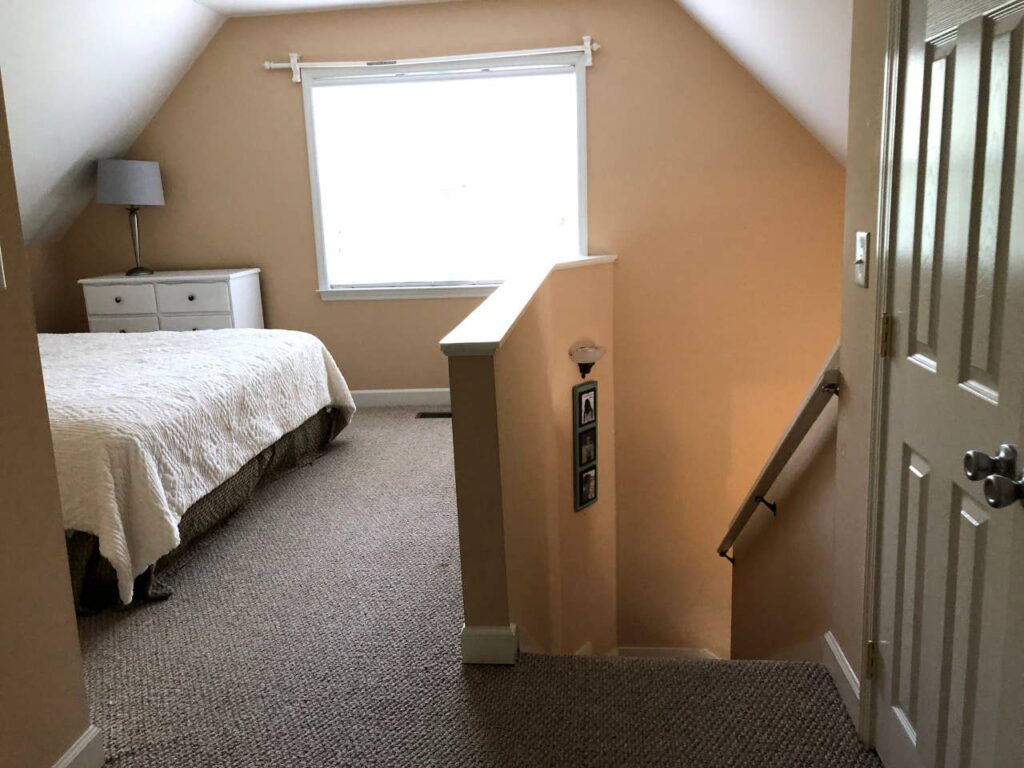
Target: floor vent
[(434, 415)]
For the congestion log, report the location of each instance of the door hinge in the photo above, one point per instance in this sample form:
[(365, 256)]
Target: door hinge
[(885, 335), (870, 660)]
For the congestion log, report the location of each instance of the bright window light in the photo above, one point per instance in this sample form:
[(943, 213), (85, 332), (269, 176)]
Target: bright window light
[(454, 178)]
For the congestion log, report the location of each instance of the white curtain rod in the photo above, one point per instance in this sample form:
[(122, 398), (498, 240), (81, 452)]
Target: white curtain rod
[(296, 66)]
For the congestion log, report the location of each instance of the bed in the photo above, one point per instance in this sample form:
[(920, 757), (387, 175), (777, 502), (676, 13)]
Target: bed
[(159, 436)]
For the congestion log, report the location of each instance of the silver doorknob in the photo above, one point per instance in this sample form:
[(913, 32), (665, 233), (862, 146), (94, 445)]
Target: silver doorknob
[(978, 464), (1001, 491)]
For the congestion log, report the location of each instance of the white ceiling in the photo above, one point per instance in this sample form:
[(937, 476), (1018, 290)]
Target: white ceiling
[(257, 7), (798, 49), (81, 81), (83, 78)]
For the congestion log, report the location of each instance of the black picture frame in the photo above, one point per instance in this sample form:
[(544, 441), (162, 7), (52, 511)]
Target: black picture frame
[(586, 487), (584, 444), (582, 395)]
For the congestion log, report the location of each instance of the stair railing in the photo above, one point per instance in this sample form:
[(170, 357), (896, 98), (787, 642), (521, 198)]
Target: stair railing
[(826, 386)]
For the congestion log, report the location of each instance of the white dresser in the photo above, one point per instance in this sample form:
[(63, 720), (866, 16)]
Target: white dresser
[(189, 300)]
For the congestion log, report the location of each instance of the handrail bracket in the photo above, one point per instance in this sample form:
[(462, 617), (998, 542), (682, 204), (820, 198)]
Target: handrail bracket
[(825, 387)]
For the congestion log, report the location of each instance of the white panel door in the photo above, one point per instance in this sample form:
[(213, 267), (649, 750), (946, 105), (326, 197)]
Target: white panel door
[(949, 689)]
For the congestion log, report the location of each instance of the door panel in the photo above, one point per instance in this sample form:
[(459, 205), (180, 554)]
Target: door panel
[(950, 627), (926, 275)]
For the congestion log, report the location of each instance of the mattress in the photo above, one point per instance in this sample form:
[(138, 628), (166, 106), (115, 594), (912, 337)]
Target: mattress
[(144, 425), (93, 580)]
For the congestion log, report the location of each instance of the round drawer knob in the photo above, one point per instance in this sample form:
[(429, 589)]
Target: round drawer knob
[(122, 331), (117, 299), (195, 329), (191, 297)]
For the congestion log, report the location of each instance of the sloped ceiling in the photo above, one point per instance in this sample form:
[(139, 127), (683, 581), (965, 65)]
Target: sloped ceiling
[(798, 49), (82, 78), (257, 7)]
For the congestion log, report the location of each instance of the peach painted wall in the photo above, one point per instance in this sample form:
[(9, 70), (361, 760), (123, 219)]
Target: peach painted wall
[(805, 572), (782, 579), (560, 563), (725, 213)]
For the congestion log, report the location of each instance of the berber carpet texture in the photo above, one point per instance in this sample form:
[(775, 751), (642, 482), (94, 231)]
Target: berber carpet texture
[(319, 627)]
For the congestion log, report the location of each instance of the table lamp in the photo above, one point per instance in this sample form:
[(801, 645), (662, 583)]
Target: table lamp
[(131, 183)]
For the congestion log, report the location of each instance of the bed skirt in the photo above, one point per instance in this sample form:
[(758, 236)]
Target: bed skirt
[(93, 579)]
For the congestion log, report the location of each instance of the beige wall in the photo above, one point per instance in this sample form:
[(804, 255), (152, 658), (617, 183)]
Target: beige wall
[(724, 211), (478, 491), (50, 288), (560, 563), (42, 696), (727, 219), (782, 579)]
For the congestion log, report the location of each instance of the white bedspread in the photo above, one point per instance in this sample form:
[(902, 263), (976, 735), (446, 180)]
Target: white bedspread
[(144, 425)]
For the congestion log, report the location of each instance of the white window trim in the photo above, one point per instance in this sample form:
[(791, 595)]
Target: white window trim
[(576, 61)]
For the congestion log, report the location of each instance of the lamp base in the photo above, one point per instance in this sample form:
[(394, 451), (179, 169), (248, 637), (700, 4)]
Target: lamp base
[(139, 271)]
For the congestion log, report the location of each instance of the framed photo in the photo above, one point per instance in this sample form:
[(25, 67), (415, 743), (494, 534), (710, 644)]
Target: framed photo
[(586, 446), (586, 487), (585, 404)]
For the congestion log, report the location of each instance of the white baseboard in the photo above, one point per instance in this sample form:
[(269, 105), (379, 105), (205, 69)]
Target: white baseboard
[(369, 398), (587, 649), (845, 678), (86, 752), (489, 645), (686, 654)]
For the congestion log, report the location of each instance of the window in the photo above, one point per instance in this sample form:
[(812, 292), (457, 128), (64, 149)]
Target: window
[(444, 179)]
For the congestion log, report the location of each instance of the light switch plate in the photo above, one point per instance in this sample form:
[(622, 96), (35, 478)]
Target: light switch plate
[(860, 259)]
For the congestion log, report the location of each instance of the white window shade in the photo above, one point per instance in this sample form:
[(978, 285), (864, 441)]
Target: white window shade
[(445, 178)]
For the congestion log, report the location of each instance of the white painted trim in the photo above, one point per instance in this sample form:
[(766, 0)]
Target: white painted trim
[(86, 752), (469, 291), (845, 678), (684, 654), (587, 649), (487, 327), (371, 398), (584, 261), (489, 645), (475, 290), (574, 59), (885, 228), (391, 292)]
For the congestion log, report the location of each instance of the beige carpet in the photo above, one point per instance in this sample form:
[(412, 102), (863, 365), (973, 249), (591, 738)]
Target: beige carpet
[(319, 627)]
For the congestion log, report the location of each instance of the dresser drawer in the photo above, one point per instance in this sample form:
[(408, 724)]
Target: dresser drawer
[(194, 322), (120, 300), (123, 324), (193, 297)]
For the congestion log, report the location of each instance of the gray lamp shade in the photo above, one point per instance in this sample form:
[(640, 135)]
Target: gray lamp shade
[(129, 182)]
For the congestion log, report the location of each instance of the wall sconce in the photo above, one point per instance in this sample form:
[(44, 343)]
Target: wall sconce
[(585, 357)]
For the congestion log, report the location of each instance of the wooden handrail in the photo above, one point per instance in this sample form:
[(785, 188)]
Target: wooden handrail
[(826, 386)]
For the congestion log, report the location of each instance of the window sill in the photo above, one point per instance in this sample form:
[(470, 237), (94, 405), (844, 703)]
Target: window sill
[(476, 290), (384, 293)]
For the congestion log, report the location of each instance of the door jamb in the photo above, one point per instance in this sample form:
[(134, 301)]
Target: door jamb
[(886, 238)]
